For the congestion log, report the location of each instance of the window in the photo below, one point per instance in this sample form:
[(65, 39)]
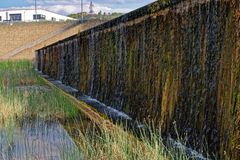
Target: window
[(39, 17), (54, 19), (0, 18), (15, 17)]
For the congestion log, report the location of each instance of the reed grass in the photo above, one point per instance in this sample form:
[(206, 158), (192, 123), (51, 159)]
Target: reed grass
[(94, 142), (14, 103)]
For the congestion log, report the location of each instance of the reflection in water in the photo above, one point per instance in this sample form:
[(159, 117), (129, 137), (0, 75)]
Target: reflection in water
[(38, 139)]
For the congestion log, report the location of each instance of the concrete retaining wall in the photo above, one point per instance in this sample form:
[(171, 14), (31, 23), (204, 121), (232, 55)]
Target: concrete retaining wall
[(176, 64)]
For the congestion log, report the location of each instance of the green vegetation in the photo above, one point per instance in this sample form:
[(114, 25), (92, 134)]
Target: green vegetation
[(100, 16), (117, 144), (16, 103), (24, 94)]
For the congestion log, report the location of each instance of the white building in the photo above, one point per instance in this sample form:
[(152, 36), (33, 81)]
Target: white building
[(30, 15)]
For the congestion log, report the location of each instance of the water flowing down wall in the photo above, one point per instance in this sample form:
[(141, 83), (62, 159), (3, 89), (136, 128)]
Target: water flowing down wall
[(176, 64)]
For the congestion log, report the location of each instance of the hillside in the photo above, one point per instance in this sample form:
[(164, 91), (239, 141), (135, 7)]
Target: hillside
[(18, 34), (19, 41), (28, 53), (99, 16)]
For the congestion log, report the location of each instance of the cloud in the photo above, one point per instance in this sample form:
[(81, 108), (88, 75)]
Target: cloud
[(66, 7), (78, 1), (73, 6)]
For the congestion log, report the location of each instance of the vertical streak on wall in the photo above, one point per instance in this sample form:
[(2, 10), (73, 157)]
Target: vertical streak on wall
[(235, 145), (176, 64)]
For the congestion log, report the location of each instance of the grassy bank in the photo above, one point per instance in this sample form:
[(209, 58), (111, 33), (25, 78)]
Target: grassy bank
[(23, 94)]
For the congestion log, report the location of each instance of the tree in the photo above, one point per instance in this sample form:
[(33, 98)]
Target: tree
[(100, 13)]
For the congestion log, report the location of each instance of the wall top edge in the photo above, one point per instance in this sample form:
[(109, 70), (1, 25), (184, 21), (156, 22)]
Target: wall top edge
[(138, 13)]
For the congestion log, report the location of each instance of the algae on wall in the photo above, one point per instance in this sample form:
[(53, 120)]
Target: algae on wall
[(176, 64)]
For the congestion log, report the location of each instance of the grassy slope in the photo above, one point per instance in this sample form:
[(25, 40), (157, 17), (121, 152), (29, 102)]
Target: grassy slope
[(29, 53), (20, 104), (19, 34), (95, 143)]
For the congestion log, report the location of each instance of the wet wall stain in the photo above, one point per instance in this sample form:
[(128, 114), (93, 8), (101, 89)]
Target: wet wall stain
[(166, 62)]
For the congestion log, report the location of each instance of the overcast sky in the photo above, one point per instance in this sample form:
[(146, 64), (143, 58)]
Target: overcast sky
[(73, 6)]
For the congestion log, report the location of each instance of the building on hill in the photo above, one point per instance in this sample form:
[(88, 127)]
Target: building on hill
[(31, 15)]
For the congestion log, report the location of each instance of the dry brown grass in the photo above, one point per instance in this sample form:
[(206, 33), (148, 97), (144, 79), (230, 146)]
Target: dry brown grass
[(18, 34), (29, 53), (8, 111)]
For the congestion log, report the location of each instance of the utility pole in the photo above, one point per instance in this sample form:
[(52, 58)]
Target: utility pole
[(36, 10), (82, 10)]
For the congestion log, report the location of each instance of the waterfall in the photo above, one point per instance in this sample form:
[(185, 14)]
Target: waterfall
[(173, 63)]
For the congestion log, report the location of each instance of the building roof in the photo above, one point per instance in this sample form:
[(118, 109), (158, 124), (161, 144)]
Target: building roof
[(23, 9)]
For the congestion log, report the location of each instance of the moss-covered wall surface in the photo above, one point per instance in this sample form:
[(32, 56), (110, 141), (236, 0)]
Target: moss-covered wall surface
[(176, 64)]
